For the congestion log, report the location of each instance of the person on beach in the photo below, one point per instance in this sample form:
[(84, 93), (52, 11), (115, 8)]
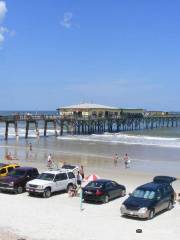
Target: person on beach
[(115, 158), (81, 170), (126, 161), (49, 161), (30, 146), (79, 179)]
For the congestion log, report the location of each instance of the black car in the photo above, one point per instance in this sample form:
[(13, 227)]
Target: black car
[(102, 190), (16, 180), (150, 198)]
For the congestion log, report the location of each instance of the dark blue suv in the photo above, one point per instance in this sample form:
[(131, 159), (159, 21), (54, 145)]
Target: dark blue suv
[(150, 198)]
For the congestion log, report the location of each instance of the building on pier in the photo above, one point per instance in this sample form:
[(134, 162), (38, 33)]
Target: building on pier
[(92, 110)]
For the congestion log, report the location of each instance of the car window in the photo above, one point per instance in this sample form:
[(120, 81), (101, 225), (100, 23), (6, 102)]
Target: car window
[(114, 184), (17, 172), (95, 184), (58, 177), (141, 193), (159, 194), (63, 176), (71, 175), (109, 185), (166, 189), (46, 176), (34, 172), (3, 171)]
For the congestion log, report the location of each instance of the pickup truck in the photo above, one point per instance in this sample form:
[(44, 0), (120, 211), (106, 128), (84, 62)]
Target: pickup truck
[(16, 179), (51, 181)]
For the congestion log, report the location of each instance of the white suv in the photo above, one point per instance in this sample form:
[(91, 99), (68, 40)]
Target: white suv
[(51, 181)]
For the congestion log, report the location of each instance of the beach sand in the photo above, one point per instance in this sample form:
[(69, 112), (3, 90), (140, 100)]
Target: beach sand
[(60, 218)]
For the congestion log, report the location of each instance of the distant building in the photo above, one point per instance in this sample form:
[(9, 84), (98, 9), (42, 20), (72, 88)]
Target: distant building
[(95, 110)]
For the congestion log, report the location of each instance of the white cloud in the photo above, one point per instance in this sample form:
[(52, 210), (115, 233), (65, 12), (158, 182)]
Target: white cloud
[(4, 30), (67, 20), (3, 10)]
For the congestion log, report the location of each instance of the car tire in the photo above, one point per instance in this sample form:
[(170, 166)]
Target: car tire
[(30, 194), (106, 198), (123, 193), (19, 190), (170, 205), (151, 214), (47, 193), (69, 187)]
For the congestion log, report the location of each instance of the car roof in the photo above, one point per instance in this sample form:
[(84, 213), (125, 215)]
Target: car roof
[(57, 171), (26, 168), (103, 180), (3, 164), (69, 166), (6, 164), (151, 186)]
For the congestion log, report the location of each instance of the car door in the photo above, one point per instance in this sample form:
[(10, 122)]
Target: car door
[(110, 189), (117, 190), (166, 196), (60, 181), (159, 206)]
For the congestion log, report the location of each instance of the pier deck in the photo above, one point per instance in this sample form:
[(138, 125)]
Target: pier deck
[(87, 125)]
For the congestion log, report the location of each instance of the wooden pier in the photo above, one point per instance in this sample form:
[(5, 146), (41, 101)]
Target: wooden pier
[(89, 125)]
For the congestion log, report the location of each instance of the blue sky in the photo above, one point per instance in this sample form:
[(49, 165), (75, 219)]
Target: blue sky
[(113, 52)]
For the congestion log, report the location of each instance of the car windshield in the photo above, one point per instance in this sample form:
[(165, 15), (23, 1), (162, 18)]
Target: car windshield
[(94, 184), (17, 173), (46, 176), (146, 194)]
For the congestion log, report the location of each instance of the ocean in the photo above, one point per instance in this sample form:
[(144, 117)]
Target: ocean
[(149, 150)]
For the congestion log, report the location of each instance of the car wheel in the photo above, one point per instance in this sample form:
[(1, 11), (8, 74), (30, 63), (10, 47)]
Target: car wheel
[(170, 205), (123, 193), (19, 190), (69, 187), (151, 214), (106, 199), (47, 193)]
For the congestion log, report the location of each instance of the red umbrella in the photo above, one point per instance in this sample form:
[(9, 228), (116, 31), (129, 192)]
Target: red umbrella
[(92, 177)]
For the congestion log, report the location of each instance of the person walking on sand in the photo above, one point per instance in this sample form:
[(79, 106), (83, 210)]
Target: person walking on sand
[(49, 161), (115, 158), (30, 146), (126, 161), (79, 179), (81, 170)]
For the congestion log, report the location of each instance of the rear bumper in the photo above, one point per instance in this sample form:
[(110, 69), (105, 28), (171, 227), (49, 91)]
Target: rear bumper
[(93, 198)]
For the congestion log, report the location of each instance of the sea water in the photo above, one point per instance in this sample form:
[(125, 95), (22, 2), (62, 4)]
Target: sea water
[(149, 150)]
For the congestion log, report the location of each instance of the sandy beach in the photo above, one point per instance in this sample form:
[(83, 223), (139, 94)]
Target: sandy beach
[(59, 217)]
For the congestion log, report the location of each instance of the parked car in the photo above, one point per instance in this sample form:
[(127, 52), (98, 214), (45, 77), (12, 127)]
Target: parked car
[(70, 167), (150, 198), (51, 181), (103, 190), (16, 180), (6, 168)]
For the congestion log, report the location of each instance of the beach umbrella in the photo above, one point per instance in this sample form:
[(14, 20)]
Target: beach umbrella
[(92, 177)]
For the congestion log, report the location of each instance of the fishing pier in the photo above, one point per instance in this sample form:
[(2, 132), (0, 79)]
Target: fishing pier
[(76, 125)]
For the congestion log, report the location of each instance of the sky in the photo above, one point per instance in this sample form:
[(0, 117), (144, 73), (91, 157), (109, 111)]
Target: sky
[(121, 53)]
